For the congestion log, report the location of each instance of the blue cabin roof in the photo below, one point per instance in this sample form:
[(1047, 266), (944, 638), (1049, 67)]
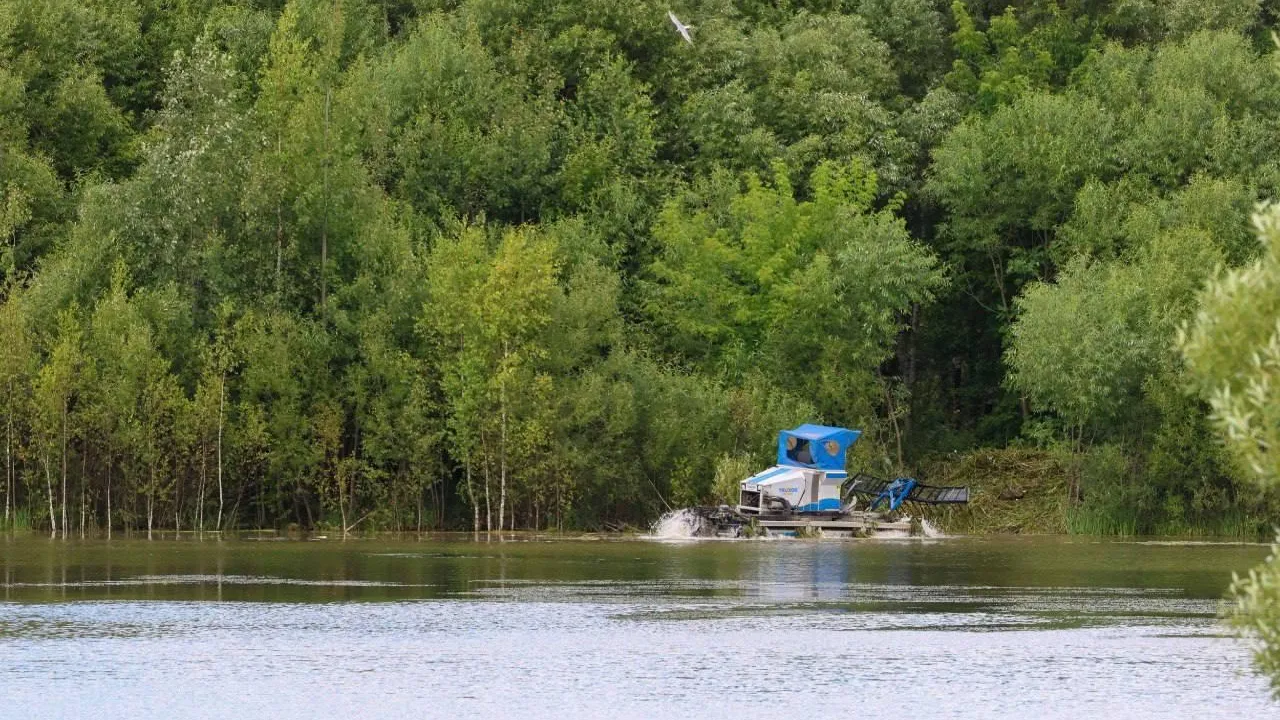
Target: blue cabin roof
[(816, 446)]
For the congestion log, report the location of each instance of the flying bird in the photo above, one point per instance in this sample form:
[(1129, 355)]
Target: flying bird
[(681, 27)]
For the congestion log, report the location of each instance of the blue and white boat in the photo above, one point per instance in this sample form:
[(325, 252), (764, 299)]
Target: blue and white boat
[(809, 476), (810, 488)]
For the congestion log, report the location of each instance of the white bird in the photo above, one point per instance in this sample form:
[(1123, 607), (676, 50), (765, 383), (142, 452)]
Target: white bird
[(681, 27)]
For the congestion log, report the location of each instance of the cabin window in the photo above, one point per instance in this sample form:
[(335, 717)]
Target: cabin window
[(832, 447), (798, 450)]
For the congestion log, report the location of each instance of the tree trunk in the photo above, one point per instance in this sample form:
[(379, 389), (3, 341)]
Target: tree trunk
[(177, 497), (279, 227), (8, 465), (108, 496), (488, 509), (64, 468), (84, 468), (475, 506), (341, 477), (1024, 407), (324, 225), (151, 501), (912, 343), (48, 486), (488, 506), (222, 397), (204, 458), (502, 448), (893, 418)]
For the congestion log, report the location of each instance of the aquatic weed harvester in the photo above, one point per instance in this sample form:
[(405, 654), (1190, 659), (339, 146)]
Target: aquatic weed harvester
[(810, 491)]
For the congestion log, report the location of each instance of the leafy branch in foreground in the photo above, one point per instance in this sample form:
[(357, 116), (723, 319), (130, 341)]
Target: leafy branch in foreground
[(1233, 350)]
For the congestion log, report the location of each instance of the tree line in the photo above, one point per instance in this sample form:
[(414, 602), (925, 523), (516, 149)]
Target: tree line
[(492, 264)]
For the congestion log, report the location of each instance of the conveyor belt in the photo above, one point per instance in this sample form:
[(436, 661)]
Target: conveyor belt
[(903, 490)]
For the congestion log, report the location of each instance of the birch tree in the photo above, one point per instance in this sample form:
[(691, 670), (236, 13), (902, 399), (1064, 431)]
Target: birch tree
[(55, 391), (17, 369)]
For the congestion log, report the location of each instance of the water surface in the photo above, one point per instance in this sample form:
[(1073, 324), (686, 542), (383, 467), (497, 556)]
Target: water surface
[(537, 628)]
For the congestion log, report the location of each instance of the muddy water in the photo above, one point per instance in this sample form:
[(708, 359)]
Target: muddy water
[(954, 628)]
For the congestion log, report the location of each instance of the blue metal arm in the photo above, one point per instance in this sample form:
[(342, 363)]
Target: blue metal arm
[(895, 494)]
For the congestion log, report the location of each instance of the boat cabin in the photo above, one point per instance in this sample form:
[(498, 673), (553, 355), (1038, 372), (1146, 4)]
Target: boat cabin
[(808, 476), (816, 446)]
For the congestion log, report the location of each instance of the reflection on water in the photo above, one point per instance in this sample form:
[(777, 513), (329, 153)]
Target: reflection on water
[(959, 628)]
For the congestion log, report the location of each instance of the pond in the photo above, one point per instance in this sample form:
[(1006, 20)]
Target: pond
[(622, 628)]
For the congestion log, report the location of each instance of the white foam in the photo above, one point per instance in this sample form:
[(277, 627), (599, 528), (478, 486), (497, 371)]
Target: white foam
[(685, 523), (930, 530), (927, 530), (682, 523)]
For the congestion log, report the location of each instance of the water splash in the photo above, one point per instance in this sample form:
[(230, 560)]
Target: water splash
[(687, 523), (929, 530), (926, 529), (682, 523)]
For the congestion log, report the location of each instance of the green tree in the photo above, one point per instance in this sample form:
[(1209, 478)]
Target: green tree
[(54, 393), (127, 370), (811, 292), (18, 365), (1229, 348), (451, 133), (491, 310), (1233, 354)]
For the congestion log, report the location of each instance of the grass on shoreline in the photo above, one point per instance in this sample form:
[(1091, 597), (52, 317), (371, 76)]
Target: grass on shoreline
[(1029, 491), (1012, 490)]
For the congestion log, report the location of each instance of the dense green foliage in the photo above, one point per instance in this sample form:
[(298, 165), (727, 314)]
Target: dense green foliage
[(487, 263), (1233, 350)]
